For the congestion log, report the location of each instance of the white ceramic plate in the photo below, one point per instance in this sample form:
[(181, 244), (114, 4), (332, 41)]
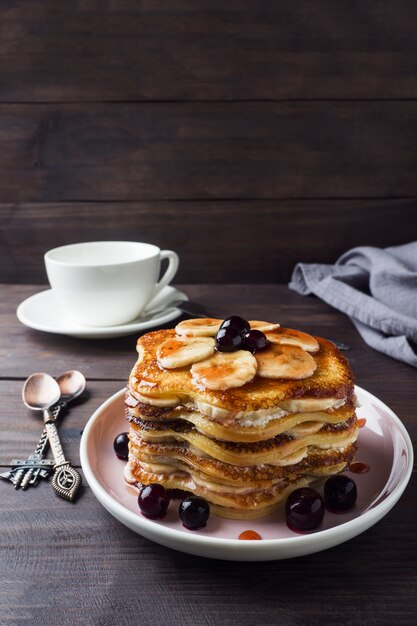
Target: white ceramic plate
[(44, 312), (384, 445)]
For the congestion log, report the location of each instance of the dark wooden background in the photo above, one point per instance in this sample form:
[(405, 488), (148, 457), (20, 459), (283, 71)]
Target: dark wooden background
[(246, 135)]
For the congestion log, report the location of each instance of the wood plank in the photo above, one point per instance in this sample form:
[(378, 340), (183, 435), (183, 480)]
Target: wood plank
[(77, 562), (218, 242), (200, 151), (174, 49)]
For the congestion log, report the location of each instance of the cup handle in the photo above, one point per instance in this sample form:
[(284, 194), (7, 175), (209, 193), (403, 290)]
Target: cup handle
[(173, 262)]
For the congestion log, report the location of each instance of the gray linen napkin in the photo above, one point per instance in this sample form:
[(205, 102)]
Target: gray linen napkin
[(377, 288)]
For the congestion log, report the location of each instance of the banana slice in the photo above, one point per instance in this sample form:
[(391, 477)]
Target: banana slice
[(280, 361), (161, 401), (292, 337), (174, 352), (262, 326), (225, 370), (198, 327)]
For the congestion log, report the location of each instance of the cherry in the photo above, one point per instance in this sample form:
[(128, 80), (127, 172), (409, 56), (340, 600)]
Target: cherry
[(340, 493), (304, 509), (153, 501), (121, 446), (231, 333), (228, 339), (254, 341), (235, 334), (240, 325), (194, 512)]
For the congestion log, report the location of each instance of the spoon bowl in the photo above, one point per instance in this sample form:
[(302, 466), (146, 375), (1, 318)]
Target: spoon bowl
[(71, 384), (40, 392)]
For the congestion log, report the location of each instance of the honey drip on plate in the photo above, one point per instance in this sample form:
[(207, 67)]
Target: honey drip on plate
[(250, 534), (361, 422), (359, 468)]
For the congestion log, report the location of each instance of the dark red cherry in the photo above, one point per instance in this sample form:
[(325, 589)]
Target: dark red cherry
[(121, 446), (153, 501), (194, 512), (254, 341), (340, 493), (240, 325), (304, 509), (228, 339)]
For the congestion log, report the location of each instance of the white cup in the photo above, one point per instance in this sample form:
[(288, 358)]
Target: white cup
[(107, 283)]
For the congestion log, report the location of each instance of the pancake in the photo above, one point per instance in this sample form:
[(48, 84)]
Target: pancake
[(265, 425), (177, 457), (149, 383), (271, 451), (246, 445), (249, 504)]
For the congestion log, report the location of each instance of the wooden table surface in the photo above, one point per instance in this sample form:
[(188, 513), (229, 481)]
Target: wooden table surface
[(67, 564)]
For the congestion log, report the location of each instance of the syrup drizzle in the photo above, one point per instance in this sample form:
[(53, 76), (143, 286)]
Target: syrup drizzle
[(250, 534), (359, 468)]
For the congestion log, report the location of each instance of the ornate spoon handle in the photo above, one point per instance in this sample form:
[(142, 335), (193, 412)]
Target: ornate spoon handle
[(66, 480), (31, 476)]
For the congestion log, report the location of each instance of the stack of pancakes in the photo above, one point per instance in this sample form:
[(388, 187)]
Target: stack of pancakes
[(245, 448)]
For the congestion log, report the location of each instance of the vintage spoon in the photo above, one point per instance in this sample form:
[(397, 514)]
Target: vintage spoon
[(72, 385), (40, 392)]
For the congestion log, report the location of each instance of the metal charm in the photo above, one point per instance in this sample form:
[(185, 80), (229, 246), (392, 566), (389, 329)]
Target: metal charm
[(66, 481), (17, 475)]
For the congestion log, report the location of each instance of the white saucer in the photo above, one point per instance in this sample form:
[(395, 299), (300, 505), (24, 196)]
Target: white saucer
[(44, 312)]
